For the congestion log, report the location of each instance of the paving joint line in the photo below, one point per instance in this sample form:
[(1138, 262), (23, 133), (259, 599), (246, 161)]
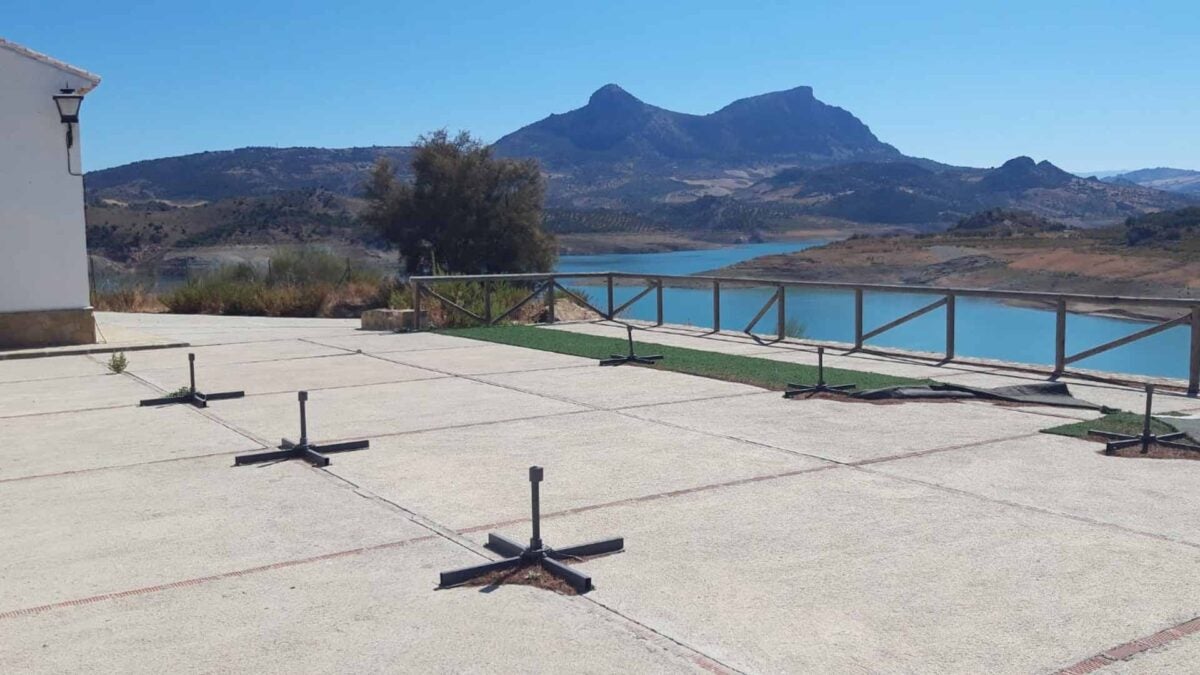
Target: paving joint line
[(699, 658), (254, 361), (828, 465), (56, 378), (435, 376), (384, 357), (112, 467), (197, 581), (352, 350), (1127, 650), (66, 411), (480, 380), (422, 521)]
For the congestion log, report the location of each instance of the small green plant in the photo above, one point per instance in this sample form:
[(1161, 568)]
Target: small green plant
[(182, 391), (794, 328), (117, 363)]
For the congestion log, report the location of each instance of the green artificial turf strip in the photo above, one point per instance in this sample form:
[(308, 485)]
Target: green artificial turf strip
[(733, 368), (1118, 423)]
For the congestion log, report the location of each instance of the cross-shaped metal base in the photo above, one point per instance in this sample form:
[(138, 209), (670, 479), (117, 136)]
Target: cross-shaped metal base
[(516, 555), (1120, 441), (618, 359), (794, 390), (312, 453), (196, 398)]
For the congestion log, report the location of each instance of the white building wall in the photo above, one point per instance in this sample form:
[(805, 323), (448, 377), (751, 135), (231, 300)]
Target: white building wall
[(43, 252)]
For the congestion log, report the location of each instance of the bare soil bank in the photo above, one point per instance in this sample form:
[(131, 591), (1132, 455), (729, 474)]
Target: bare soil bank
[(1034, 263), (664, 242)]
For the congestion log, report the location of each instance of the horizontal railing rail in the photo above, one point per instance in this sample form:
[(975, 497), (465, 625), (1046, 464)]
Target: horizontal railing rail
[(546, 284)]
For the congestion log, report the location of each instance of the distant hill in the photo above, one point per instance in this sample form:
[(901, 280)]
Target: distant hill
[(903, 193), (1162, 178), (1179, 230), (1155, 255), (140, 233), (1005, 223), (245, 172), (620, 152)]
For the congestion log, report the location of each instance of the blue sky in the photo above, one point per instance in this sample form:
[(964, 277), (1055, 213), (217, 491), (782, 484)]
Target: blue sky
[(1088, 85)]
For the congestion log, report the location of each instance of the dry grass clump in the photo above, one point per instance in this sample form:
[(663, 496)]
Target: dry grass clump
[(312, 282), (532, 574), (129, 299), (305, 282)]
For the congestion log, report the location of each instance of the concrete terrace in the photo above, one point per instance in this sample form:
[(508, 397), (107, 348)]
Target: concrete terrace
[(763, 535)]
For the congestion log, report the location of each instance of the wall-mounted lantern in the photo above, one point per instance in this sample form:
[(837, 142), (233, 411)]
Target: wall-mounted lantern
[(68, 103)]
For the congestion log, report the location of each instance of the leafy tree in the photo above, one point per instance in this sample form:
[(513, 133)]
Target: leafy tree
[(465, 209)]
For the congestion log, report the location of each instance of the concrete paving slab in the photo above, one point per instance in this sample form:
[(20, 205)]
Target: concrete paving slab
[(225, 354), (375, 342), (846, 432), (45, 444), (478, 475), (49, 368), (845, 571), (1182, 656), (264, 377), (80, 535), (1070, 476), (373, 410), (619, 386), (488, 358), (77, 393), (375, 612)]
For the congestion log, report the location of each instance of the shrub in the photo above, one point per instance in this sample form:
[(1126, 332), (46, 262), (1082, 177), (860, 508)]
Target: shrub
[(305, 281), (117, 363)]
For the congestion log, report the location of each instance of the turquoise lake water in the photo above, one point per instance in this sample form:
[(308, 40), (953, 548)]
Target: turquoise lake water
[(985, 328)]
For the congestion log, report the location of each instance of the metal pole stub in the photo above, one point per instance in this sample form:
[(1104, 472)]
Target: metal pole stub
[(535, 477), (192, 371), (1146, 420), (303, 396), (516, 555)]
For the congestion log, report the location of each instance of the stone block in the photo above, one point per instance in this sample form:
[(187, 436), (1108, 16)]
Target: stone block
[(390, 319)]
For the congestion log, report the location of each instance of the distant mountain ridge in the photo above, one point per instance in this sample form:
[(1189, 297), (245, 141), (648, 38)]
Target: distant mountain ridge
[(901, 193), (778, 161), (1161, 178), (787, 126), (245, 172)]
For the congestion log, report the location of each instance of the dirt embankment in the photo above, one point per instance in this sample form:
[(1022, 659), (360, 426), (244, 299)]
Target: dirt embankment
[(679, 240), (1045, 264)]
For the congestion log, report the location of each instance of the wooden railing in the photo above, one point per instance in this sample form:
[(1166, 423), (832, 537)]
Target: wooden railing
[(549, 284)]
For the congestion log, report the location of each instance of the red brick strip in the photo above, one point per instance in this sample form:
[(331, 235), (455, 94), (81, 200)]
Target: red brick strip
[(1125, 651), (28, 611)]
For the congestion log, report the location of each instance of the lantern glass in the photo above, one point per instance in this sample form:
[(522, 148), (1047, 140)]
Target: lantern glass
[(68, 107)]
